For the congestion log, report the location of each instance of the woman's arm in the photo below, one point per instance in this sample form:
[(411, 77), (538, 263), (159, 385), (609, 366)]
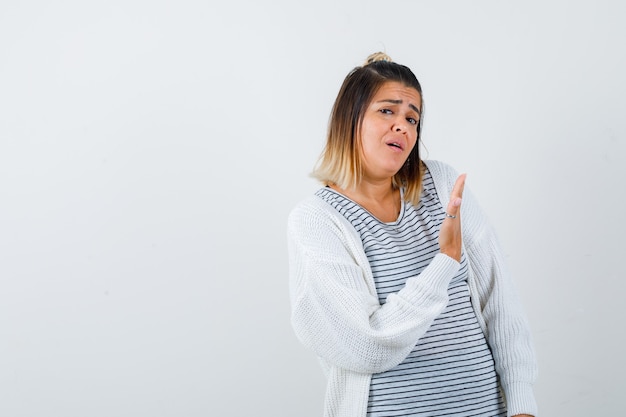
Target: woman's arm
[(507, 329), (335, 310)]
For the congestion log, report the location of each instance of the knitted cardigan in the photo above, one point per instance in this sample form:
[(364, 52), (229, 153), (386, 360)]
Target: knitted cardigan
[(336, 313)]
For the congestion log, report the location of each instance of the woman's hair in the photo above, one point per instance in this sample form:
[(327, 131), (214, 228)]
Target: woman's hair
[(340, 162)]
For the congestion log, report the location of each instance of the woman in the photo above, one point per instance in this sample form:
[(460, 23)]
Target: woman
[(407, 305)]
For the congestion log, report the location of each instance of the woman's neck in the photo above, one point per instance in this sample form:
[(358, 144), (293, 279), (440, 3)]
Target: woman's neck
[(381, 199)]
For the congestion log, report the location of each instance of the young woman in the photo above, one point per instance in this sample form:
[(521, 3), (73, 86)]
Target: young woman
[(397, 281)]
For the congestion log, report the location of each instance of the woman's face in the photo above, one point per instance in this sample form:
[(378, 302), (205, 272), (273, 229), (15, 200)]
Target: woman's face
[(389, 130)]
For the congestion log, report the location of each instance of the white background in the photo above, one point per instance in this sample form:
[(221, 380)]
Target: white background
[(150, 152)]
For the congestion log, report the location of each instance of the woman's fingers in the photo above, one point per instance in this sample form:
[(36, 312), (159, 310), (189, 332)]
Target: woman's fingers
[(454, 206), (450, 241)]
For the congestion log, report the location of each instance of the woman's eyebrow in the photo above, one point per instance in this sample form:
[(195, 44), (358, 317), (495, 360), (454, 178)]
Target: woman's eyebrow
[(392, 101)]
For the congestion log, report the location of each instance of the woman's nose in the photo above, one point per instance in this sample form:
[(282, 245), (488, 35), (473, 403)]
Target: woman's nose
[(400, 125)]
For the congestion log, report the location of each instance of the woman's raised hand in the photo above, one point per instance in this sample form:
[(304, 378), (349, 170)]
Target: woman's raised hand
[(450, 234)]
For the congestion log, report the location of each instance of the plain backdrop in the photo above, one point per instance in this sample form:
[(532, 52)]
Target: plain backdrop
[(150, 152)]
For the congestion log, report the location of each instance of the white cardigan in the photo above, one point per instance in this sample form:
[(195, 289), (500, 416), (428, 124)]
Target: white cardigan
[(336, 313)]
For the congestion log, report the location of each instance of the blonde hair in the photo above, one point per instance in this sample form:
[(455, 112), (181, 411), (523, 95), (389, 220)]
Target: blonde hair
[(340, 161), (377, 56)]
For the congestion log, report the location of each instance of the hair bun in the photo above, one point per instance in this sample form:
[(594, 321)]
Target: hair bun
[(377, 56)]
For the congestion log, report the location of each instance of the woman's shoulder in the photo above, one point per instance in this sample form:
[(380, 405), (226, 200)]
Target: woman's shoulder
[(310, 203), (439, 169), (315, 221), (443, 176), (311, 210)]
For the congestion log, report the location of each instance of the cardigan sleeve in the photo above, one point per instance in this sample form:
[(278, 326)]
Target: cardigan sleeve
[(335, 310), (506, 325)]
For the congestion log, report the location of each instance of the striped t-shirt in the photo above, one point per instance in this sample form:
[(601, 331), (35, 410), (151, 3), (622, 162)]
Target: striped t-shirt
[(450, 371)]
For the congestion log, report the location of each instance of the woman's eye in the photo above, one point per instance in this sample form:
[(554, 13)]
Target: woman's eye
[(385, 111), (412, 120)]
